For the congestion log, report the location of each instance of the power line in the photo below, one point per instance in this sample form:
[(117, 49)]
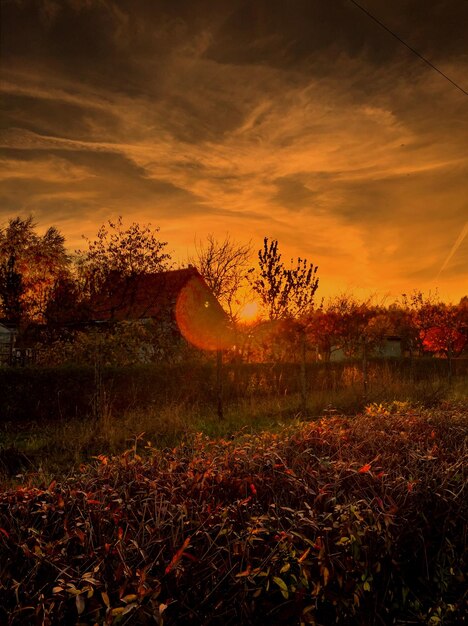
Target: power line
[(418, 54)]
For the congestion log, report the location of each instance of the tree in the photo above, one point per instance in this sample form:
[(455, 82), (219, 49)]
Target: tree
[(287, 295), (123, 251), (418, 314), (38, 260), (284, 293), (445, 338), (356, 328), (440, 328), (66, 303), (364, 326), (224, 265), (11, 290), (325, 329), (444, 333)]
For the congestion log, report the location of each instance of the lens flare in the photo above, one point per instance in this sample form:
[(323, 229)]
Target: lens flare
[(201, 319)]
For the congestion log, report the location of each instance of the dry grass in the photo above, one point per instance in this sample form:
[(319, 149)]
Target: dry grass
[(59, 446)]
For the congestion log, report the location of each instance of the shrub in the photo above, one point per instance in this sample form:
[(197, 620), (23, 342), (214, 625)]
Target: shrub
[(348, 521)]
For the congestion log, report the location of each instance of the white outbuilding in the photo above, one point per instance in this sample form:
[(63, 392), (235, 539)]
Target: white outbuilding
[(7, 343)]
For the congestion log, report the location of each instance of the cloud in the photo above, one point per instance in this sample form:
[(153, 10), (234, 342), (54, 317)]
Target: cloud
[(453, 250), (306, 125)]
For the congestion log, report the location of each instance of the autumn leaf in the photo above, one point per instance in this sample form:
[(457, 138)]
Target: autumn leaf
[(80, 604), (303, 555), (365, 468), (81, 536), (326, 575), (244, 573), (177, 556), (131, 597), (117, 611)]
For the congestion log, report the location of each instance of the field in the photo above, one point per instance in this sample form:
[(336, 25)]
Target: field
[(355, 520), (54, 419)]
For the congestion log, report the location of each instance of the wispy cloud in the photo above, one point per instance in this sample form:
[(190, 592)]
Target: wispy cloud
[(458, 242), (201, 125)]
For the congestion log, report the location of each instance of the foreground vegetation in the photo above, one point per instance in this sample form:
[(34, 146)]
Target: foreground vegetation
[(41, 434), (348, 520)]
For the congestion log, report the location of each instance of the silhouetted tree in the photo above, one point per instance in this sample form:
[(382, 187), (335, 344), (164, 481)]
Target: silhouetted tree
[(287, 294), (283, 292), (39, 260), (66, 302), (11, 291), (121, 251), (440, 328), (224, 265)]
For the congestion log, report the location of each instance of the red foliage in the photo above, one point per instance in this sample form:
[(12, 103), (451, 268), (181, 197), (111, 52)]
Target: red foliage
[(268, 518), (442, 339)]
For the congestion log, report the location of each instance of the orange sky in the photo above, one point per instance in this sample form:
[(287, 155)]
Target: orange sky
[(308, 124)]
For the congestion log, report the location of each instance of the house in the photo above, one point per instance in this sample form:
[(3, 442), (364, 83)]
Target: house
[(131, 319), (180, 301)]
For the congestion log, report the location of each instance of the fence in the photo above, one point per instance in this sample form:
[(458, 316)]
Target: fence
[(32, 393)]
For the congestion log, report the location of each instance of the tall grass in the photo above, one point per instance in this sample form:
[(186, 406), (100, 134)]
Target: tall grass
[(65, 393), (45, 447)]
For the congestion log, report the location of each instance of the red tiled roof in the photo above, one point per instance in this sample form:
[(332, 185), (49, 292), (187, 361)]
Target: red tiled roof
[(144, 295)]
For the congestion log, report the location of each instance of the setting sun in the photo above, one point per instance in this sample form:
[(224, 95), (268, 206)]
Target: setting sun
[(249, 312)]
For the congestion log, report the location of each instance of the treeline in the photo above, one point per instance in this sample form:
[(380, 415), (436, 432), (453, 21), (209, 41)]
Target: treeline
[(48, 289), (41, 282)]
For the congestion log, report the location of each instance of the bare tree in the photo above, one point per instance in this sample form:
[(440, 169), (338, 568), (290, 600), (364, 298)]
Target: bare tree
[(284, 293), (287, 294), (224, 265)]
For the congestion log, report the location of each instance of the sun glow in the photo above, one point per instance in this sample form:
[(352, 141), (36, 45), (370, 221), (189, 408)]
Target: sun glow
[(249, 312)]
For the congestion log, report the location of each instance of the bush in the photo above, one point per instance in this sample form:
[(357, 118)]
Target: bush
[(349, 521)]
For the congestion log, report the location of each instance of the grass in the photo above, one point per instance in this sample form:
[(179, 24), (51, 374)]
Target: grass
[(352, 513), (359, 520), (47, 448)]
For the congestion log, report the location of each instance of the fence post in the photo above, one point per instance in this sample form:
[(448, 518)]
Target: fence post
[(303, 374), (365, 369), (219, 383), (450, 369)]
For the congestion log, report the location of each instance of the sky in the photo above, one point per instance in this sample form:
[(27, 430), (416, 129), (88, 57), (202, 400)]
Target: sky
[(303, 121)]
